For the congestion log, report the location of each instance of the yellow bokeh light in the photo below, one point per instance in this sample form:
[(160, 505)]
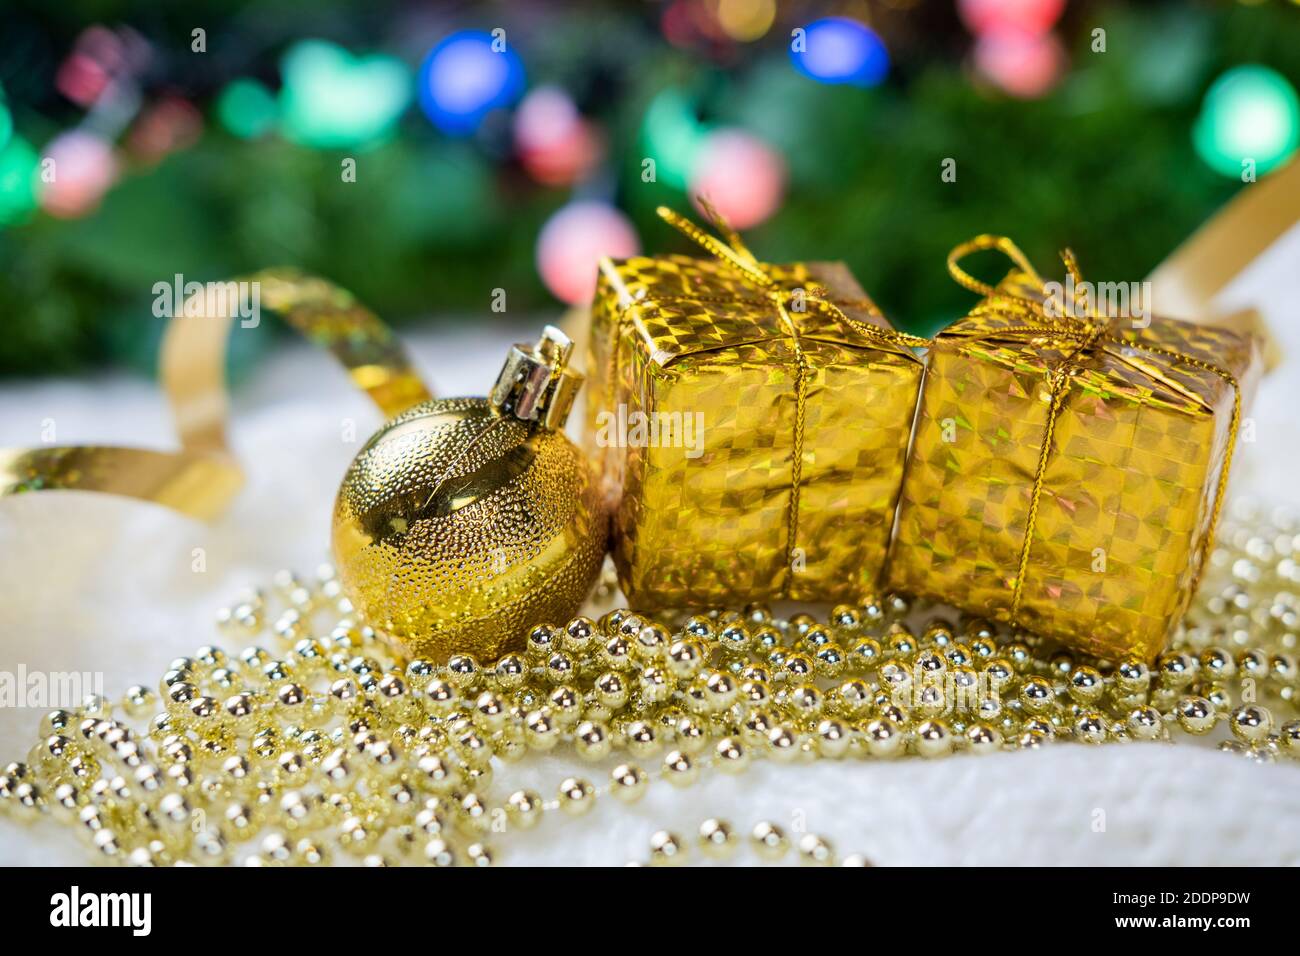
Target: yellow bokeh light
[(746, 20)]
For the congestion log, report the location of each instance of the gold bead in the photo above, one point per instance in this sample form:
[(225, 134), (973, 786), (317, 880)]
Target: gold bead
[(1251, 723), (846, 616), (769, 841), (691, 735), (541, 730), (616, 652), (591, 740), (641, 739), (1036, 695), (578, 634), (1253, 663), (679, 770), (816, 851), (1090, 728), (474, 813), (656, 685), (782, 743), (524, 809), (1196, 715), (721, 691), (1144, 723), (1290, 738), (1217, 664), (933, 739), (864, 654), (685, 658), (832, 739), (1132, 676), (1086, 685), (490, 711), (440, 696), (462, 671), (559, 668), (734, 639), (666, 849), (439, 853), (577, 796), (437, 774), (731, 755), (716, 838), (797, 666), (628, 782), (1176, 669), (510, 671), (542, 642), (884, 738), (139, 701), (652, 643), (981, 738), (699, 626)]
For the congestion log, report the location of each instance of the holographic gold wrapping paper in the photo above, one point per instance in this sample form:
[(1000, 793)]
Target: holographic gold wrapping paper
[(722, 513), (1129, 478)]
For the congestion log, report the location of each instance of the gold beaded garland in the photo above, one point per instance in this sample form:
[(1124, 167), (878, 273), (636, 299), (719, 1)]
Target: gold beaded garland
[(318, 745)]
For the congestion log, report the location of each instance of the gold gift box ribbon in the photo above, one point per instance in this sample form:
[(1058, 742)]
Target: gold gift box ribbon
[(1078, 336), (732, 252)]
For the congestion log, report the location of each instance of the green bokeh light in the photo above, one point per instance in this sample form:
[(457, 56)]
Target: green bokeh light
[(672, 136), (18, 178), (247, 109), (1250, 113), (6, 122), (332, 99)]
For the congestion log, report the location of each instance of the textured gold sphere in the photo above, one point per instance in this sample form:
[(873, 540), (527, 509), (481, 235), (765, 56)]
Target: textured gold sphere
[(458, 528)]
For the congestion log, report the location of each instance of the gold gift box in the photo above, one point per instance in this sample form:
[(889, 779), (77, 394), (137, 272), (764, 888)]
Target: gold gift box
[(1065, 476), (744, 462)]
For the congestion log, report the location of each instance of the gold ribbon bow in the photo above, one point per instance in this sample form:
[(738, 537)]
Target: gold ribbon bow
[(1079, 335), (734, 253), (202, 476)]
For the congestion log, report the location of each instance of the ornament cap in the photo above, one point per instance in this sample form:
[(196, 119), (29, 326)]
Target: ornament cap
[(536, 383)]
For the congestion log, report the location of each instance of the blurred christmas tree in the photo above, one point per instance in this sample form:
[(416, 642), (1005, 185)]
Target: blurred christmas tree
[(415, 152)]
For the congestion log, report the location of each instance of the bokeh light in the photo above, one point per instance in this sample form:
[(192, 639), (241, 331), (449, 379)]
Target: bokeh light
[(673, 136), (743, 177), (6, 121), (464, 78), (572, 243), (81, 79), (556, 145), (100, 58), (247, 109), (745, 20), (841, 50), (331, 99), (1250, 113), (1021, 63), (1024, 16), (83, 168), (18, 181), (171, 124)]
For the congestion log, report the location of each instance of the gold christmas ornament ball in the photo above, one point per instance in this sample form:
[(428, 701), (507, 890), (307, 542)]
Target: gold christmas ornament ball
[(465, 522)]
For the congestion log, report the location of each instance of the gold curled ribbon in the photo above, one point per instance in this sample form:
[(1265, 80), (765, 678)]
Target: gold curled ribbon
[(202, 476), (1082, 334), (732, 251)]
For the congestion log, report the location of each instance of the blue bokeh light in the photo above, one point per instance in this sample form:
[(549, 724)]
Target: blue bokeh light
[(464, 78), (841, 50)]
